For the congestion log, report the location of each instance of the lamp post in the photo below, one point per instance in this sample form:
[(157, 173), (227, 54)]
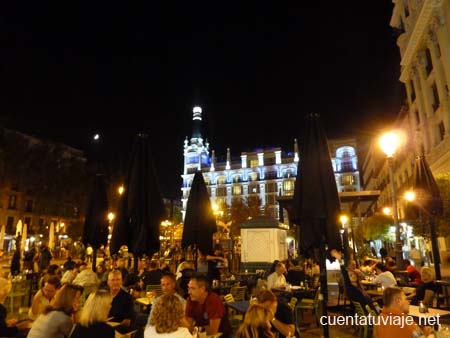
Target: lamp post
[(389, 143)]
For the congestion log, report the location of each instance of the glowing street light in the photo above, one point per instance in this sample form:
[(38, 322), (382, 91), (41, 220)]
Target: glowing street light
[(410, 196), (111, 217), (344, 220), (387, 211), (389, 143), (121, 189)]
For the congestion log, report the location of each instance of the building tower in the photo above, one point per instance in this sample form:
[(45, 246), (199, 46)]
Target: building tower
[(196, 155)]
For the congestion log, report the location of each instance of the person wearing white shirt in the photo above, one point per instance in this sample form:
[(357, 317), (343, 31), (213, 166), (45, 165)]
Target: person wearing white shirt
[(385, 277), (277, 278)]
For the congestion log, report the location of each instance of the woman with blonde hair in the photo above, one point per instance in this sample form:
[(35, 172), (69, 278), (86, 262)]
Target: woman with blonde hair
[(256, 323), (56, 321), (93, 317), (166, 319), (428, 283)]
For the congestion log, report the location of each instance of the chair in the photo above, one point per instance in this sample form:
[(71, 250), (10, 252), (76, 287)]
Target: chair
[(365, 331), (371, 311), (238, 292), (307, 304), (234, 317), (228, 298), (155, 288)]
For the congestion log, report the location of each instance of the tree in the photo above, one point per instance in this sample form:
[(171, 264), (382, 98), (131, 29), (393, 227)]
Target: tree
[(375, 226), (241, 209)]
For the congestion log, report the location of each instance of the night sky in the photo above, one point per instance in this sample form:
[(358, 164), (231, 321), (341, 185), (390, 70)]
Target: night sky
[(70, 69)]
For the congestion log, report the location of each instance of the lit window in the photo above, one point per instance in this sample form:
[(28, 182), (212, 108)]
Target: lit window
[(253, 163), (237, 190), (288, 185), (221, 180)]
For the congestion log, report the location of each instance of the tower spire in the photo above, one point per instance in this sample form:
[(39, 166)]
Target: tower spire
[(197, 123), (295, 150)]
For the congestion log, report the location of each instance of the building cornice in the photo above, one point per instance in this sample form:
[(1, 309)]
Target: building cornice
[(420, 28)]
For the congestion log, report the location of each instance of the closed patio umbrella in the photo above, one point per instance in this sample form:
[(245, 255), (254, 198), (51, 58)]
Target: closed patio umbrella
[(51, 236), (316, 205), (141, 207), (199, 222), (2, 236), (95, 230)]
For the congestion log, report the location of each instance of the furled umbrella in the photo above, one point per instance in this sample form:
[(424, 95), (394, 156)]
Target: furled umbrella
[(141, 207), (199, 222), (23, 239), (316, 205), (95, 230), (51, 236), (428, 204), (2, 236)]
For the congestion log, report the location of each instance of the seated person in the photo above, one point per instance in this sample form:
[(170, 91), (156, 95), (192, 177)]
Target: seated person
[(205, 308), (296, 274), (394, 312), (257, 319), (167, 319), (413, 273), (186, 272), (368, 265), (390, 264), (354, 274), (354, 293), (427, 283), (282, 323), (122, 306), (44, 296), (385, 277), (277, 279)]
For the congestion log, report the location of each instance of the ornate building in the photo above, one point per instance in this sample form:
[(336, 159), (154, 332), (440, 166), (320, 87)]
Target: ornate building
[(424, 44), (264, 173)]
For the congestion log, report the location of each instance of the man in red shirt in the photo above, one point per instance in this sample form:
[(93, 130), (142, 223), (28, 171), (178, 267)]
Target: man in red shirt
[(204, 308), (413, 273)]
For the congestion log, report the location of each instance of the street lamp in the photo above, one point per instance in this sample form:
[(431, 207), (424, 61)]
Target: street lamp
[(389, 143), (120, 190)]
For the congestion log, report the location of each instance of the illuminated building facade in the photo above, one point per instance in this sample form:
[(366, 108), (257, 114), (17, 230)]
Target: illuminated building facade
[(424, 44), (264, 173)]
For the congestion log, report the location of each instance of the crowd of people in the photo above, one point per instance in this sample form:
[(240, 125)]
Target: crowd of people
[(75, 301)]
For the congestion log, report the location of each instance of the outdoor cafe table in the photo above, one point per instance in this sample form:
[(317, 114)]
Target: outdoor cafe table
[(295, 291), (414, 311), (239, 306)]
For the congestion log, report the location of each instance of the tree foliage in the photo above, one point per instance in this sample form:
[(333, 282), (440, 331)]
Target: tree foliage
[(375, 226), (241, 209)]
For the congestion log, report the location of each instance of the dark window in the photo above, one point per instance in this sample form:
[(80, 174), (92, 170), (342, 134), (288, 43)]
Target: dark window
[(422, 150), (417, 117), (406, 12), (41, 222), (29, 206), (270, 175), (12, 202), (346, 165), (10, 225), (429, 66), (435, 96), (413, 91), (28, 223), (441, 130)]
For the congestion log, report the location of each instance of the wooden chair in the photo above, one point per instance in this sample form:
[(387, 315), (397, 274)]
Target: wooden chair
[(238, 292), (156, 289)]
